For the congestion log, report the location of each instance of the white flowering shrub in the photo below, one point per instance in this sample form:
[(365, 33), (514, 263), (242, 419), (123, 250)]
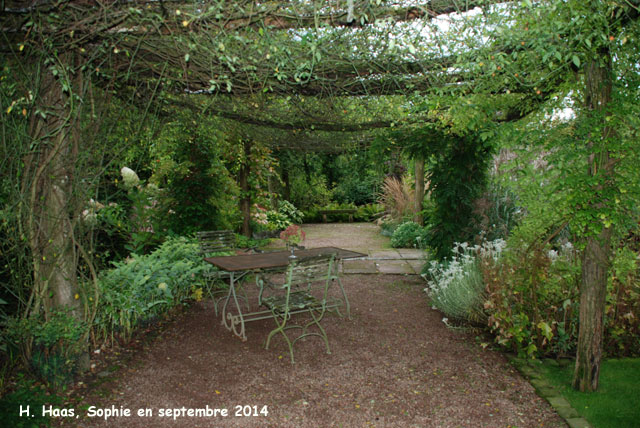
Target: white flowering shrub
[(129, 177), (456, 286)]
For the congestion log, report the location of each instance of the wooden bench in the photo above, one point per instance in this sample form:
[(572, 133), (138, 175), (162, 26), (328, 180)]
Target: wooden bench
[(325, 213)]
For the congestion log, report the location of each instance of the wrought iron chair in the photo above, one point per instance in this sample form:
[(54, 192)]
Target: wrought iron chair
[(305, 290), (219, 243)]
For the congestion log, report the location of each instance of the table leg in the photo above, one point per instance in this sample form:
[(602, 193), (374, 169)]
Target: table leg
[(336, 276), (233, 322)]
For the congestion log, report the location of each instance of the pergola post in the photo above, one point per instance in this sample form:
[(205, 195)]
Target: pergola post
[(245, 198), (419, 187)]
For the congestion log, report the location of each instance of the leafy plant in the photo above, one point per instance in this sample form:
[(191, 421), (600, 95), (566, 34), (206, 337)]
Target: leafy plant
[(26, 392), (145, 286), (356, 190), (622, 312), (456, 286), (277, 220), (368, 212), (532, 299), (457, 179), (288, 210), (264, 220), (49, 347), (408, 235)]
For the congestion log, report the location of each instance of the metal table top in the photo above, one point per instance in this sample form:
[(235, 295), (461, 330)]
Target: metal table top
[(247, 262)]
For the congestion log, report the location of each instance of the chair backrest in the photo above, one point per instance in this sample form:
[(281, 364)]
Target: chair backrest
[(216, 241), (311, 269)]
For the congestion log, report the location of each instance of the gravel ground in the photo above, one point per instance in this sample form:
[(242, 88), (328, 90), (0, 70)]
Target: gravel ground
[(393, 364)]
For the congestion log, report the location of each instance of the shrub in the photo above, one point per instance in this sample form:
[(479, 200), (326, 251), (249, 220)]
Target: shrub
[(142, 287), (200, 192), (387, 227), (49, 347), (532, 300), (356, 190), (312, 215), (246, 242), (408, 235), (131, 225), (309, 191), (456, 286), (368, 212), (288, 210), (622, 312)]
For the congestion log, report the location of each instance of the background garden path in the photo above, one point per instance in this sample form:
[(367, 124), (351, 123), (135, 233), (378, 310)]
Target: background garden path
[(394, 364), (365, 238)]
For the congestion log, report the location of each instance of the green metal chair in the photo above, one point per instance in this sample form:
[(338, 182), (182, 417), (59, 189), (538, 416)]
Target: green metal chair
[(305, 290), (219, 243)]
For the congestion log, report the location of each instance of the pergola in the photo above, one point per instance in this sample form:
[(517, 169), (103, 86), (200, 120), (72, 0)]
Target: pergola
[(200, 54)]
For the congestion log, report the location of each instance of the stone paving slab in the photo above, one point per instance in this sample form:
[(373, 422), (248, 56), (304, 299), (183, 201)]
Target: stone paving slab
[(411, 253), (385, 255), (366, 239), (393, 261), (578, 423), (416, 265), (564, 409), (398, 267), (359, 266), (567, 412)]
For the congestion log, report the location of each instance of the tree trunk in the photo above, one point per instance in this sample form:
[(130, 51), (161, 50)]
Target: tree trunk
[(597, 253), (50, 217), (286, 191), (245, 200), (271, 187), (419, 193), (593, 291)]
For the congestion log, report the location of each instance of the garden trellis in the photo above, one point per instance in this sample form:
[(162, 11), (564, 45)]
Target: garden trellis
[(69, 58)]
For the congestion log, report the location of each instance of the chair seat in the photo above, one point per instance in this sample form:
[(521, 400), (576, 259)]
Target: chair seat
[(299, 300)]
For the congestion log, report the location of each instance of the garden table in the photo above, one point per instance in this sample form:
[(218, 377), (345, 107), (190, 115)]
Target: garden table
[(260, 263)]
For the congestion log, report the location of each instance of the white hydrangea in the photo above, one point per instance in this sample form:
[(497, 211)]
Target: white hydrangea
[(129, 177), (90, 217)]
